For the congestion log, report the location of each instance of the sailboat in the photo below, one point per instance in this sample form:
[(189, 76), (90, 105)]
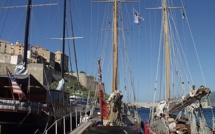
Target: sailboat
[(113, 116), (26, 106), (176, 114)]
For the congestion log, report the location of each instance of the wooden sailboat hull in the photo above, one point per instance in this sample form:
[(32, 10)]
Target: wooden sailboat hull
[(135, 129), (31, 122), (23, 118), (17, 121), (42, 108)]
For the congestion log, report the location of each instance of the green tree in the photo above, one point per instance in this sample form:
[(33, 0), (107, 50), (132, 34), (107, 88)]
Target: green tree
[(82, 72), (73, 87)]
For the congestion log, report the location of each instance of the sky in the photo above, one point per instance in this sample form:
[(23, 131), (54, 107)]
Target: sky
[(93, 22)]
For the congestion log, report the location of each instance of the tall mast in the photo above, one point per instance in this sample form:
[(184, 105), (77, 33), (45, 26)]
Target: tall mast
[(115, 46), (63, 40), (166, 38), (27, 23), (115, 39)]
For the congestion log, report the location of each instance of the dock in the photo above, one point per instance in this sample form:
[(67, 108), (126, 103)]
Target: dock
[(81, 128)]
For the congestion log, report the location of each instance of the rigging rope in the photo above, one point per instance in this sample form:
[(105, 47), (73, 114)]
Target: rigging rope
[(129, 69), (70, 59), (79, 15), (19, 20), (102, 44), (1, 17), (158, 63), (173, 41), (194, 44), (126, 56), (157, 68), (107, 20), (182, 50), (73, 42)]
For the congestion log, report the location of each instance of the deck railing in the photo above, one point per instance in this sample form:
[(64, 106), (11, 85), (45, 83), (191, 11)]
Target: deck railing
[(70, 115)]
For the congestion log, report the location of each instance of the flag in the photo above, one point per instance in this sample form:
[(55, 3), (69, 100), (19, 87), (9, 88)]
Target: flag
[(61, 85), (137, 17), (103, 105), (15, 87)]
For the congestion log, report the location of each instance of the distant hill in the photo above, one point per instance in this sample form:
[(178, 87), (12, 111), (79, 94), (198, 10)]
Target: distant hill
[(212, 98)]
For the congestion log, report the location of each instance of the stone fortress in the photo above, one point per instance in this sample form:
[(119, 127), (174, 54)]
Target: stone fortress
[(42, 64)]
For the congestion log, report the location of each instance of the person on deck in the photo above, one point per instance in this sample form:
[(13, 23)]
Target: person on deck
[(115, 107)]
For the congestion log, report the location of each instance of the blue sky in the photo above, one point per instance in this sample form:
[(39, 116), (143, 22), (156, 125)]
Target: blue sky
[(92, 21)]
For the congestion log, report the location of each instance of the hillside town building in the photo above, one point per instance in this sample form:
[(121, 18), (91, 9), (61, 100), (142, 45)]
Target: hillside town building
[(40, 61), (12, 53)]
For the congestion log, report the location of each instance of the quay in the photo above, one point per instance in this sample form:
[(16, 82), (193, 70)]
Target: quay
[(80, 129)]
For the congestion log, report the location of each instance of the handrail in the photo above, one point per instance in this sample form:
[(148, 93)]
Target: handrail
[(70, 115)]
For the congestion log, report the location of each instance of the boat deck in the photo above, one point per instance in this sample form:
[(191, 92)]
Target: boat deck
[(80, 129)]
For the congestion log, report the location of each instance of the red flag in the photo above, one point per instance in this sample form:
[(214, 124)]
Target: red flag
[(15, 86), (103, 105)]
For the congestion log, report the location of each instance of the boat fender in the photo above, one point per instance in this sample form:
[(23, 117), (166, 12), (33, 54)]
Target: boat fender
[(142, 125)]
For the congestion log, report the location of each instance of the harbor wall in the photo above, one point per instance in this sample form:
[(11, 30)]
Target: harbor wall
[(42, 73)]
